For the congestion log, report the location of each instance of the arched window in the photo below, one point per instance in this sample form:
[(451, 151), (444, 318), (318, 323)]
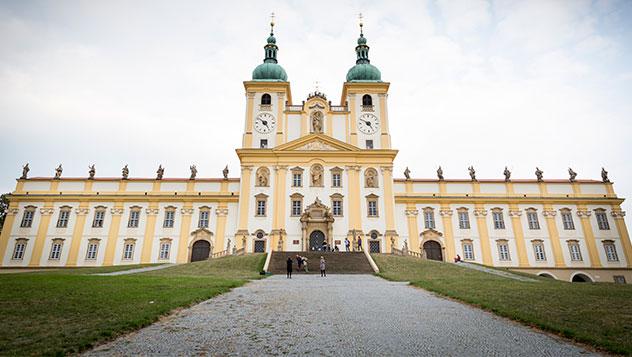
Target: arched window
[(266, 99), (367, 100)]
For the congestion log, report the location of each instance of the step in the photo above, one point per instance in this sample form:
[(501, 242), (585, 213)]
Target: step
[(337, 262)]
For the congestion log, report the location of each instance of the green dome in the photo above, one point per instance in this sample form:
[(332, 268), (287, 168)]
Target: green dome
[(269, 72), (364, 72)]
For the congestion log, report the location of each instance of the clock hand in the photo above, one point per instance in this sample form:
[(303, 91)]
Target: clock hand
[(265, 122), (367, 122)]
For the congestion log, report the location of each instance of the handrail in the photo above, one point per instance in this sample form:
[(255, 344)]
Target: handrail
[(220, 254), (267, 263), (294, 108), (240, 251), (371, 262)]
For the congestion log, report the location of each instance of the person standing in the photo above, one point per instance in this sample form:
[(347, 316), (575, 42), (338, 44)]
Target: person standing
[(289, 268), (299, 262), (347, 244), (304, 260), (359, 244), (323, 266)]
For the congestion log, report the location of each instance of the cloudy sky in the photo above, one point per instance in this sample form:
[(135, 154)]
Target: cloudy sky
[(483, 83)]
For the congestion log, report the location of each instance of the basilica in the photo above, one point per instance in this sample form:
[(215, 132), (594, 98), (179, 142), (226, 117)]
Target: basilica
[(316, 172)]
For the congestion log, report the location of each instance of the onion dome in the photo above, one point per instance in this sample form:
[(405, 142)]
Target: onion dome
[(363, 71), (270, 70)]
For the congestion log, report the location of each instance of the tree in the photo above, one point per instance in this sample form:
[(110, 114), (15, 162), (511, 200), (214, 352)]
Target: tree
[(4, 208)]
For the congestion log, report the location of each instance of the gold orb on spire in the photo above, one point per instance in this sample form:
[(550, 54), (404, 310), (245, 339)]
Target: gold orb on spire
[(360, 22)]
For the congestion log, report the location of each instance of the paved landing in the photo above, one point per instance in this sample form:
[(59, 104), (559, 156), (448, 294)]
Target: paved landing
[(338, 315)]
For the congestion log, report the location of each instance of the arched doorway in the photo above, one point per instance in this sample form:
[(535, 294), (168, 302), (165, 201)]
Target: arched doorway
[(316, 239), (201, 250), (433, 250), (581, 278)]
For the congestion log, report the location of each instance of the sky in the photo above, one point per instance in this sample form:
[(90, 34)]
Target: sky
[(483, 83)]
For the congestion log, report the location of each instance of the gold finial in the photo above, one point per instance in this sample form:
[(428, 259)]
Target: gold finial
[(360, 18), (272, 22)]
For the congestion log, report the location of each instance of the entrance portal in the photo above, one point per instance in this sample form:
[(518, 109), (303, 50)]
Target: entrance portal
[(200, 250), (316, 240), (433, 250)]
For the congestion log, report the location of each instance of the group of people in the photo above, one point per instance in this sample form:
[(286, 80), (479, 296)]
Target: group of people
[(301, 263), (326, 247)]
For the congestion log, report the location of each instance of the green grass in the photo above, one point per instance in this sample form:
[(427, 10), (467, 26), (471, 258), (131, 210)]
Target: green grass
[(67, 311), (596, 314)]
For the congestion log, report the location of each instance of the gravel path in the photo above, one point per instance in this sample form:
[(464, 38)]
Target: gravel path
[(338, 315), (134, 271)]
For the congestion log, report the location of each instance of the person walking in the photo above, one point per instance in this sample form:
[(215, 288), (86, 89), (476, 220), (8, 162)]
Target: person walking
[(299, 262), (323, 266), (289, 268), (359, 244), (347, 244)]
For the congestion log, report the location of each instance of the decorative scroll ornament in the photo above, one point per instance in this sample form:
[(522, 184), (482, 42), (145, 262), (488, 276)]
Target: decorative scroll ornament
[(412, 212), (47, 211), (515, 213), (82, 210), (221, 212), (117, 210), (617, 213), (316, 145), (186, 210), (446, 212), (13, 211), (480, 212), (152, 210), (584, 213), (550, 213)]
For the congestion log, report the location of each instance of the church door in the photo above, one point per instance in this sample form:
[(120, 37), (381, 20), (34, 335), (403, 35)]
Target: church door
[(200, 251), (433, 250), (316, 240)]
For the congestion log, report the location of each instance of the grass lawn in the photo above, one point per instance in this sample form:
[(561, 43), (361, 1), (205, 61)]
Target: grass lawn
[(66, 311), (596, 314)]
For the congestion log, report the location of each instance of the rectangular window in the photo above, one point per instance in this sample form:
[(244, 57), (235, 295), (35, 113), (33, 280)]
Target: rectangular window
[(128, 251), (532, 218), (297, 207), (297, 180), (575, 252), (18, 251), (55, 251), (134, 219), (464, 220), (337, 207), (62, 220), (164, 250), (372, 208), (336, 180), (261, 208), (99, 217), (169, 219), (567, 221), (602, 221), (499, 222), (611, 252), (263, 144), (503, 251), (369, 144), (204, 218), (538, 249), (429, 221), (27, 218), (468, 251), (92, 251)]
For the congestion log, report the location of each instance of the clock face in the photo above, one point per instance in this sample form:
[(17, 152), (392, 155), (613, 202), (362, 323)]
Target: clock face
[(368, 123), (264, 123)]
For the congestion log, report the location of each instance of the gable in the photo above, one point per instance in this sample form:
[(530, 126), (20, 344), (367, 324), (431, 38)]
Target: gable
[(316, 142)]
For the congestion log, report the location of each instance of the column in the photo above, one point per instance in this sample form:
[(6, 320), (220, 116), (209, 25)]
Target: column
[(81, 214), (278, 220), (38, 247), (247, 142), (150, 228), (113, 233), (549, 215), (618, 215), (413, 228), (9, 219), (185, 226), (221, 212), (385, 136), (589, 236), (244, 207), (389, 208), (448, 235), (480, 213), (515, 213), (353, 176)]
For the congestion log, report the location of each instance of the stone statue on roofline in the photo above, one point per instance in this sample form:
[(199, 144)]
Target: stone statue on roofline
[(193, 172), (407, 173), (571, 175), (507, 174), (125, 172), (160, 172), (58, 172), (440, 173), (25, 172), (225, 172), (539, 174), (91, 172), (472, 173), (604, 175)]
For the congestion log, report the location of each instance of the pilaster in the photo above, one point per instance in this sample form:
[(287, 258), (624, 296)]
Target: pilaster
[(480, 213), (250, 99), (113, 233), (81, 214), (150, 228), (549, 215), (515, 213), (618, 216), (38, 247), (185, 226), (9, 220), (413, 228), (355, 212), (389, 208), (385, 136), (221, 212), (446, 216), (584, 216)]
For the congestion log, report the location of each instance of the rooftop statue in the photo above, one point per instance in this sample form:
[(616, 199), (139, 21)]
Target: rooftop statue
[(225, 172), (193, 172), (125, 172), (440, 173), (572, 175), (58, 172), (507, 174), (472, 173), (25, 171), (538, 174), (160, 172), (604, 175), (91, 172), (407, 173)]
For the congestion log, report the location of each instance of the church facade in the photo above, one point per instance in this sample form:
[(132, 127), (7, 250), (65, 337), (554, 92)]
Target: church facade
[(320, 172)]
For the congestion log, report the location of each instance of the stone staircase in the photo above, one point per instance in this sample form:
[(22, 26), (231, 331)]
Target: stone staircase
[(337, 262)]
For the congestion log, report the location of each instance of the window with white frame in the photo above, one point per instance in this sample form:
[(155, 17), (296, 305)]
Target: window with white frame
[(336, 179), (532, 219), (567, 220), (165, 248), (203, 219), (64, 217), (372, 205), (93, 247), (170, 217), (134, 217), (611, 251), (503, 250), (297, 206), (574, 250), (128, 249), (27, 217), (468, 250), (497, 216), (602, 219), (336, 205), (19, 249), (99, 217), (297, 179), (464, 218), (261, 205), (429, 221), (538, 250), (55, 249)]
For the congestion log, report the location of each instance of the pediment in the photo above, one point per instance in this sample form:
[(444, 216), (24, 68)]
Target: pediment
[(316, 142), (431, 233)]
